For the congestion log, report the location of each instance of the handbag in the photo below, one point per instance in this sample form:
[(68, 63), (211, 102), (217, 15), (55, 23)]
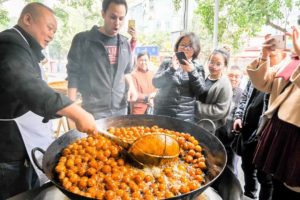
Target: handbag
[(236, 144)]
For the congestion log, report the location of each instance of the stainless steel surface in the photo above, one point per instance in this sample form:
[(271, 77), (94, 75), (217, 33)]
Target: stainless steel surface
[(46, 192)]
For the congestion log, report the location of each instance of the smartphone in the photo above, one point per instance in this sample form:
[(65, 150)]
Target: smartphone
[(131, 24), (181, 56), (279, 41)]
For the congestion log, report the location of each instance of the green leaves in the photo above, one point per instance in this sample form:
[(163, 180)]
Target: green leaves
[(238, 18), (4, 18)]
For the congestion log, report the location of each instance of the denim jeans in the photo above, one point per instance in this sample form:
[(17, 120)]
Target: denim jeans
[(16, 177)]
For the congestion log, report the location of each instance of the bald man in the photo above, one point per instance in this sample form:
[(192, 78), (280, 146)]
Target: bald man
[(26, 101)]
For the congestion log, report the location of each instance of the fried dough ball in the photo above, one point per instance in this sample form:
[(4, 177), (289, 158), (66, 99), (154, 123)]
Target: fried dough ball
[(94, 167)]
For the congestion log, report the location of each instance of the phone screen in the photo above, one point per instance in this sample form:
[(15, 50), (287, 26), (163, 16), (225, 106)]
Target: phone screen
[(181, 56)]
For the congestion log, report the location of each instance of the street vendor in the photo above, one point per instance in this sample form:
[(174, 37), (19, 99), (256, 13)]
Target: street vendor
[(27, 102)]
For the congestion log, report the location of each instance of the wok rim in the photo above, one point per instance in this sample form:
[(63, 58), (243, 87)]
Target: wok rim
[(192, 194)]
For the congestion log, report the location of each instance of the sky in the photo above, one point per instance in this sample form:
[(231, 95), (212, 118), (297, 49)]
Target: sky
[(15, 6)]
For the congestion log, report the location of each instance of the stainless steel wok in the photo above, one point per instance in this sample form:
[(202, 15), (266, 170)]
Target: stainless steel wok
[(213, 149)]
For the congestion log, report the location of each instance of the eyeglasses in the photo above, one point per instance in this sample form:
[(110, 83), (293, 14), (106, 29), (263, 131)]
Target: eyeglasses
[(212, 63), (187, 47)]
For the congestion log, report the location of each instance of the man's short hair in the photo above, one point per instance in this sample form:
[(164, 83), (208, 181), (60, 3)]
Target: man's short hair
[(32, 8), (106, 3), (235, 67)]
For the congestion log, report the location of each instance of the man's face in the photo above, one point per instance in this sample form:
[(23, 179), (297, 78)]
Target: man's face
[(114, 18), (42, 27), (235, 77)]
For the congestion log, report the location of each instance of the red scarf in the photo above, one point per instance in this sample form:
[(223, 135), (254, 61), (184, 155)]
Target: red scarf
[(289, 69)]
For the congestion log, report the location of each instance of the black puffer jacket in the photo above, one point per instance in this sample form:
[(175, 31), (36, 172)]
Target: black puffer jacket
[(177, 90), (22, 89)]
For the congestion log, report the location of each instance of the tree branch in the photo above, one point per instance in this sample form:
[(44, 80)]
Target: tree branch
[(275, 26)]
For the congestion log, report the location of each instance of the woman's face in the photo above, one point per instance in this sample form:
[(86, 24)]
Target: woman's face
[(216, 65), (185, 46), (142, 63)]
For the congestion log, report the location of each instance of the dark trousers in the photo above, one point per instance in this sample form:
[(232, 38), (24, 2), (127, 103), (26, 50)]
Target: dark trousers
[(266, 185), (282, 192), (250, 172), (253, 176), (16, 177)]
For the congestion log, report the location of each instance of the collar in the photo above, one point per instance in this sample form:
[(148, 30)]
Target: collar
[(93, 35), (34, 45), (295, 57), (141, 70)]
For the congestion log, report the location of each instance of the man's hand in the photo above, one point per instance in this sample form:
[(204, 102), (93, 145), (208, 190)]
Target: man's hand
[(151, 99), (86, 123), (132, 94), (237, 125), (133, 34)]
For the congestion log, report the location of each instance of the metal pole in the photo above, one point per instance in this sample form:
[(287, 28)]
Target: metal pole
[(216, 22), (185, 15)]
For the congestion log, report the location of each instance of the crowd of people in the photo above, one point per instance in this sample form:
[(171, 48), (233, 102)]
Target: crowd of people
[(102, 68)]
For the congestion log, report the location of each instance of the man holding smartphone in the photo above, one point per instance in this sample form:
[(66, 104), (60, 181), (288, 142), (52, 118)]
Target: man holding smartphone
[(131, 30), (99, 63)]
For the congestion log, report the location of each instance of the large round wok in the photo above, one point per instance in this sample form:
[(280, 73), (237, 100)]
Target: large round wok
[(214, 151)]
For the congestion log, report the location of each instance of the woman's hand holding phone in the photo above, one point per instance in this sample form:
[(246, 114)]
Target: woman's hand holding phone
[(184, 63), (175, 62)]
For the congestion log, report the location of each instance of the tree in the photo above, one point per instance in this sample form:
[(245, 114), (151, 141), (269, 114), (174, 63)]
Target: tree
[(238, 19), (4, 20), (160, 39), (73, 17)]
